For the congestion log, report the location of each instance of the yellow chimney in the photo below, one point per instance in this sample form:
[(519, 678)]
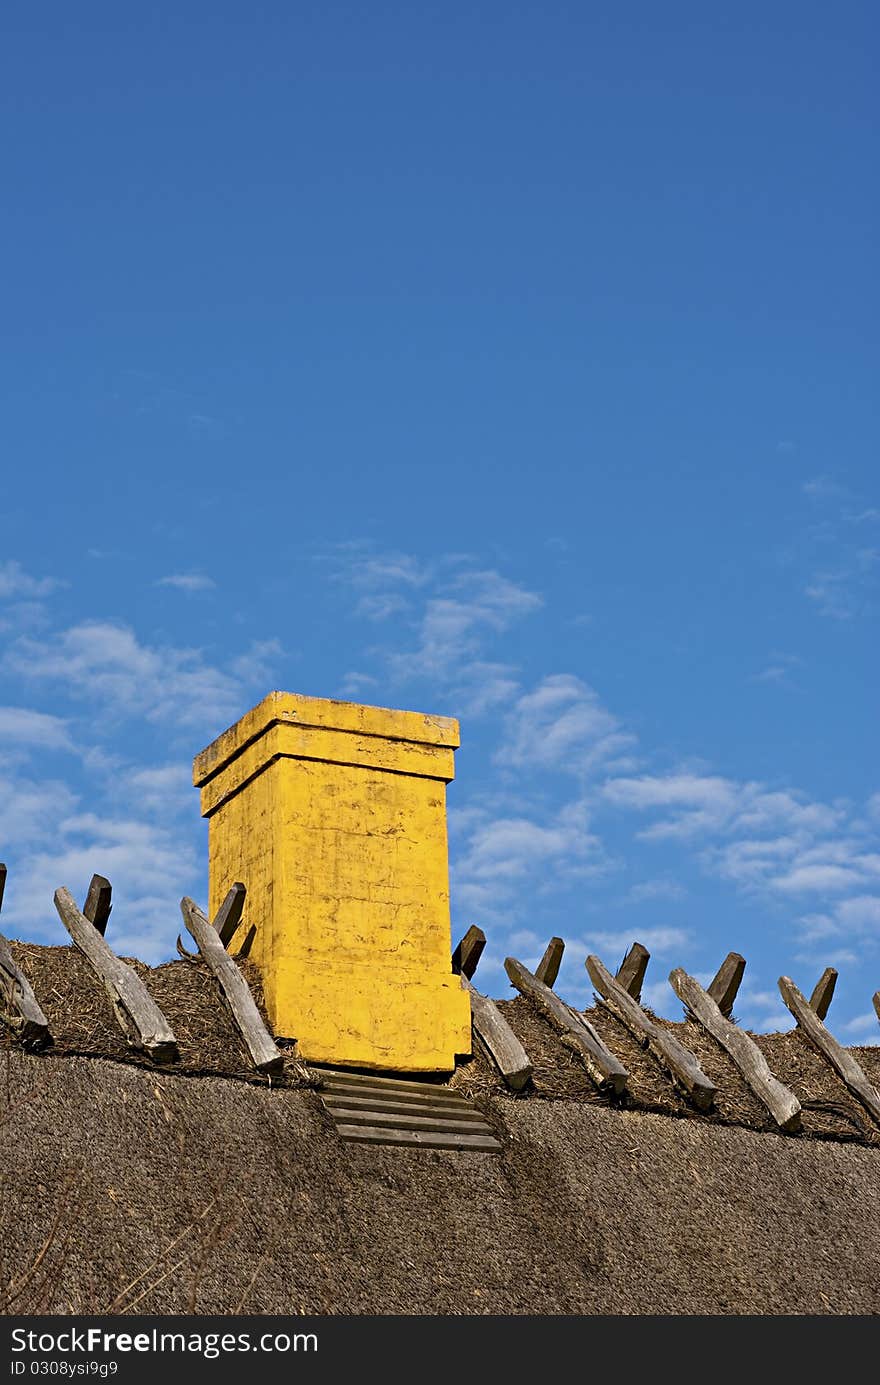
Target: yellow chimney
[(334, 816)]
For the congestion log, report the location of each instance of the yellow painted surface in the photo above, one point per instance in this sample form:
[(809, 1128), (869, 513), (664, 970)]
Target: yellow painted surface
[(386, 722), (339, 833), (331, 747)]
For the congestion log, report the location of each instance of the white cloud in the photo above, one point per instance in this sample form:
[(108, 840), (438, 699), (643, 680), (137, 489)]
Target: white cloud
[(832, 595), (778, 668), (763, 1012), (454, 623), (378, 606), (816, 928), (842, 591), (448, 612), (778, 842), (150, 869), (205, 426), (860, 912), (15, 582), (828, 867), (509, 847), (794, 857), (166, 790), (524, 941), (656, 889), (840, 574), (562, 724), (660, 998), (704, 803), (760, 809), (662, 791), (506, 855), (147, 851), (823, 488), (863, 1028), (773, 673), (30, 810), (105, 662), (364, 568), (754, 861), (20, 616), (20, 726), (353, 684), (22, 596), (258, 663), (482, 687), (856, 918), (386, 581), (611, 945), (188, 582), (824, 878)]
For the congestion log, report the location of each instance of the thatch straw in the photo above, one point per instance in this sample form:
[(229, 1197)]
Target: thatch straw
[(81, 1016), (82, 1022), (173, 1195)]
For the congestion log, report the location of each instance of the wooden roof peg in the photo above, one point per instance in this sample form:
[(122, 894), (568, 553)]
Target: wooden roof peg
[(843, 1063), (97, 906), (229, 914), (137, 1013), (823, 991), (670, 1053), (604, 1068), (723, 988), (631, 972), (547, 969), (469, 951), (782, 1104), (264, 1052), (21, 1011)]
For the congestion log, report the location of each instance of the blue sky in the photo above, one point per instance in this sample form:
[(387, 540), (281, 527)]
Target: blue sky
[(516, 363)]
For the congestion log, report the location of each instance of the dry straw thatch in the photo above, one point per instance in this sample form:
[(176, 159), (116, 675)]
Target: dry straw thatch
[(152, 1193), (205, 1187)]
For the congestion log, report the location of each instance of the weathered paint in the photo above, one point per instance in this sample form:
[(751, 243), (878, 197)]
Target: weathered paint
[(333, 814)]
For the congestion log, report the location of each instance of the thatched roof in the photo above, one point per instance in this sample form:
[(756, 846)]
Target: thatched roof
[(82, 1023), (829, 1111), (208, 1188), (169, 1194)]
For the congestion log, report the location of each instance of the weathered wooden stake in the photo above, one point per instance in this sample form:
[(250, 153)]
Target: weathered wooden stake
[(137, 1013), (631, 972), (469, 951), (604, 1068), (726, 982), (27, 1021), (265, 1054), (489, 1025), (247, 943), (547, 969), (229, 914), (499, 1040), (97, 906), (672, 1055), (823, 991), (844, 1063), (782, 1104)]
